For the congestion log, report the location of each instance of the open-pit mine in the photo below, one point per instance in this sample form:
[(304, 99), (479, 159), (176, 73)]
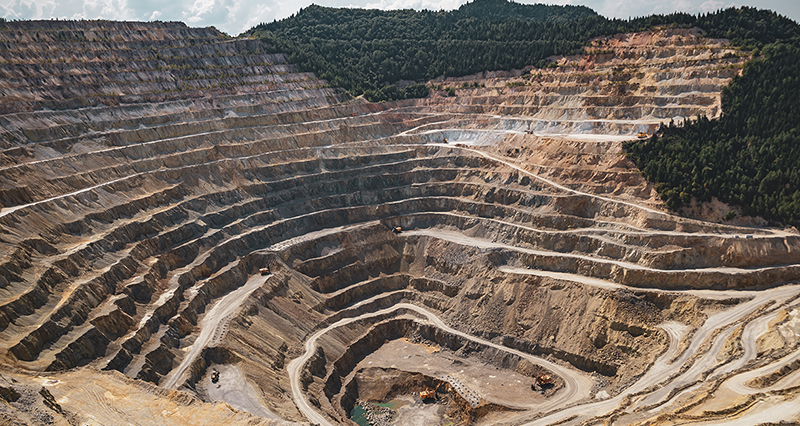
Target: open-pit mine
[(195, 232)]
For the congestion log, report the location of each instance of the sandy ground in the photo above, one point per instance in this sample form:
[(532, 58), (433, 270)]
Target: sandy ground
[(496, 385), (577, 384), (89, 397), (234, 389), (419, 413)]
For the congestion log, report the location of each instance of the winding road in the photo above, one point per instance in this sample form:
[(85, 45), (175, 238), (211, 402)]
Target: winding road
[(654, 385), (577, 384), (679, 369)]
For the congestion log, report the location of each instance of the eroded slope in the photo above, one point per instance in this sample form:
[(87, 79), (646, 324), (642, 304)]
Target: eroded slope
[(204, 207)]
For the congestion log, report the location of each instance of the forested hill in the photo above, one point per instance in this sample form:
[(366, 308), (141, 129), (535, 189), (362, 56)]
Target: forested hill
[(369, 50), (502, 10), (751, 157)]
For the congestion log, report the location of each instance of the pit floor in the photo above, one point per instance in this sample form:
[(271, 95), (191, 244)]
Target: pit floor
[(416, 413), (493, 384)]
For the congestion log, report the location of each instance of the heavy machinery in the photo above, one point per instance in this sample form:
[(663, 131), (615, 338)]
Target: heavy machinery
[(428, 393), (264, 271), (641, 135), (543, 381)]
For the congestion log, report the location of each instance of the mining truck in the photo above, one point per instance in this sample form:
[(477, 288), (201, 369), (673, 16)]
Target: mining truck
[(542, 381)]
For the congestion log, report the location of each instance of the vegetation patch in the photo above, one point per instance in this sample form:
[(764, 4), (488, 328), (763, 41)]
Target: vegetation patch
[(750, 157)]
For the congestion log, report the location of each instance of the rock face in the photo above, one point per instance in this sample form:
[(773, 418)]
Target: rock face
[(149, 172)]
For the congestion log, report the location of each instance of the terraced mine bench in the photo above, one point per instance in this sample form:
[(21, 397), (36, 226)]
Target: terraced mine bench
[(150, 171)]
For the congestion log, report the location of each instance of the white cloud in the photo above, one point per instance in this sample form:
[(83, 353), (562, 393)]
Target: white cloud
[(198, 8), (29, 9), (633, 8), (154, 15), (712, 5), (202, 6), (105, 9), (247, 16), (415, 4)]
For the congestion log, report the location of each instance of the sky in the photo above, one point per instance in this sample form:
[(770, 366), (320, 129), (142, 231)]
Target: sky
[(236, 16)]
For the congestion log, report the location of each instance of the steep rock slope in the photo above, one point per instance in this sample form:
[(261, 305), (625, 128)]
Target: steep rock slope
[(568, 122), (177, 203)]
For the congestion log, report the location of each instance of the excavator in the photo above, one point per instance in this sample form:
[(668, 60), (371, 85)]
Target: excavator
[(429, 393)]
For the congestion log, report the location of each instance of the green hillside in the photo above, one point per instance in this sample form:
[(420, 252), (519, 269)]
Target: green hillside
[(503, 10), (370, 50), (749, 157)]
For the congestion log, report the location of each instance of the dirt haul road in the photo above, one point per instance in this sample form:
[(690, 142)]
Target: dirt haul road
[(211, 326), (462, 239), (577, 385), (595, 196), (696, 360), (658, 383)]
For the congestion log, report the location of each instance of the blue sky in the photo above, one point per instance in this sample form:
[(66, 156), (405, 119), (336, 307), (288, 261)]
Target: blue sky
[(236, 16)]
